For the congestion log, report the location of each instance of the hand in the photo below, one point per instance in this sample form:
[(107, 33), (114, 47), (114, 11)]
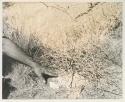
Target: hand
[(41, 71)]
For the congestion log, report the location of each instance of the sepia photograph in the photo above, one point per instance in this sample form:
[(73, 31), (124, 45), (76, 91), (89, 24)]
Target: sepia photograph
[(62, 50)]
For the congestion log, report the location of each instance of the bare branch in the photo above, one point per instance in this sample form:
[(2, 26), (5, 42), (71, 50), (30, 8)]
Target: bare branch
[(58, 8), (89, 10)]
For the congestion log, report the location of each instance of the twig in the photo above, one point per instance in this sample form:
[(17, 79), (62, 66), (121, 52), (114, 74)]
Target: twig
[(89, 10), (107, 57), (109, 91), (72, 79), (58, 8), (82, 88), (73, 71), (44, 4)]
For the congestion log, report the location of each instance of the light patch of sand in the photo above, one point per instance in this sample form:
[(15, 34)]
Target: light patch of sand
[(55, 25)]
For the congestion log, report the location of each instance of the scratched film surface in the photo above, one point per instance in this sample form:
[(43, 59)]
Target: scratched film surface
[(82, 42)]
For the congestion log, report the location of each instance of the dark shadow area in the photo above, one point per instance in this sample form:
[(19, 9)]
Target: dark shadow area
[(6, 62), (46, 77), (6, 87)]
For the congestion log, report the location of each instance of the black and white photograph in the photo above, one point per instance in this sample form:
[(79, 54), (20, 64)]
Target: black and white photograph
[(62, 50)]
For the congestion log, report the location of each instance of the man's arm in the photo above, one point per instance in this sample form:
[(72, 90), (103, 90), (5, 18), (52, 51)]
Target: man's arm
[(12, 50)]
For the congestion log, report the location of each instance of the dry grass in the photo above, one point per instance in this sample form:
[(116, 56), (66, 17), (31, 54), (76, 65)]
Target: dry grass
[(84, 49)]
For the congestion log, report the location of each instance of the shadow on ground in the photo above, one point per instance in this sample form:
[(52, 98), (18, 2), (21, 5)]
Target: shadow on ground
[(7, 88)]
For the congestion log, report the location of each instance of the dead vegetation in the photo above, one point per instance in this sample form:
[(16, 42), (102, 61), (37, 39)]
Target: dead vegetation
[(89, 67)]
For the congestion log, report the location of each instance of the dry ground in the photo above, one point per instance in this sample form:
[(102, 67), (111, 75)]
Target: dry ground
[(82, 42)]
